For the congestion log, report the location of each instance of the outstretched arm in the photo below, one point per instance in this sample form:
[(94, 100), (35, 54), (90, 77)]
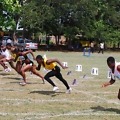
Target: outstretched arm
[(26, 52), (108, 83), (57, 61), (6, 60)]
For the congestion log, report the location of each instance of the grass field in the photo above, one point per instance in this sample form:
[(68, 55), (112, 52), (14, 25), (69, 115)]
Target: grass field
[(36, 101)]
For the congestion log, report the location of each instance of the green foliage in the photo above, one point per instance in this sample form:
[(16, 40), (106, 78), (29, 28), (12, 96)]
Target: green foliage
[(90, 18), (9, 11)]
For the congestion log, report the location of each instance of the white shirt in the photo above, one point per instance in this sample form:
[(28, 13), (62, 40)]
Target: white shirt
[(92, 44), (101, 45), (116, 73), (9, 41), (6, 53)]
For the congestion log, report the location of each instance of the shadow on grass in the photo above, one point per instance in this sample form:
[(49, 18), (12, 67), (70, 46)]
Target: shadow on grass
[(4, 74), (99, 108), (15, 78), (52, 93), (27, 82)]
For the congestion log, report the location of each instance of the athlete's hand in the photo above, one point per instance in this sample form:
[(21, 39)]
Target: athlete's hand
[(105, 84)]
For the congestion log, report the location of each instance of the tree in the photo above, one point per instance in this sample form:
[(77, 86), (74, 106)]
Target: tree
[(9, 14), (98, 19), (107, 20)]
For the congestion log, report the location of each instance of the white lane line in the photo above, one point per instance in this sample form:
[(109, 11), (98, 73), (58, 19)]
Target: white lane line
[(80, 114), (16, 90), (53, 115), (36, 101), (43, 100), (98, 97)]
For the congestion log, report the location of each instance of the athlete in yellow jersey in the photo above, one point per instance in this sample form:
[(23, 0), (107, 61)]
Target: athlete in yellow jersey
[(51, 65)]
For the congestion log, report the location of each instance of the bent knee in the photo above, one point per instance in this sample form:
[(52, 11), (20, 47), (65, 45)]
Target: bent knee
[(45, 77)]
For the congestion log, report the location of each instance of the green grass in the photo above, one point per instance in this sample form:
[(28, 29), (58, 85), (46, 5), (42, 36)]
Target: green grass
[(36, 101)]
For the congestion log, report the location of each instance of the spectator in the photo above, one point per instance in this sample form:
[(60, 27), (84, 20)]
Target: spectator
[(101, 47), (9, 41), (92, 46)]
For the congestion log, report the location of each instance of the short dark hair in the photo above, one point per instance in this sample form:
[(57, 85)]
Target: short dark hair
[(110, 60), (39, 57), (8, 44)]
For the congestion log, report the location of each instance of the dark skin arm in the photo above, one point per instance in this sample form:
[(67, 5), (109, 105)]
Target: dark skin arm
[(108, 83), (49, 61), (38, 67), (26, 52), (118, 68), (112, 81)]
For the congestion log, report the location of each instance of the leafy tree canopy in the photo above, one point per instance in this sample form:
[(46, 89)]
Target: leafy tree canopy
[(98, 19), (9, 13)]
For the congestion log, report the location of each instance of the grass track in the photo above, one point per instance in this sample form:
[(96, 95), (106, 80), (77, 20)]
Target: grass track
[(36, 101)]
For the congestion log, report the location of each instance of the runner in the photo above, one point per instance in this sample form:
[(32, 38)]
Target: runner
[(51, 65)]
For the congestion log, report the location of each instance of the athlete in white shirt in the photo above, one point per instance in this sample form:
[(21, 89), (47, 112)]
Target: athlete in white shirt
[(6, 59), (6, 53), (115, 72)]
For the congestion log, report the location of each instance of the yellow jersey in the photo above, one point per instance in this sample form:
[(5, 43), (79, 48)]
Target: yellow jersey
[(50, 66), (14, 56)]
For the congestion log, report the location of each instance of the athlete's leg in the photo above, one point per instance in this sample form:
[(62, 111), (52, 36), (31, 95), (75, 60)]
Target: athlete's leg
[(48, 75), (60, 77), (2, 60), (12, 65), (18, 67), (24, 69), (3, 65), (119, 94), (102, 51), (34, 71)]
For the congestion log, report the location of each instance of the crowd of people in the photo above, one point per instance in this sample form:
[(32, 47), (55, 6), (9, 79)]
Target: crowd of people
[(21, 62)]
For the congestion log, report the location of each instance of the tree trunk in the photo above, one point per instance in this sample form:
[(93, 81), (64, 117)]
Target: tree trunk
[(57, 39)]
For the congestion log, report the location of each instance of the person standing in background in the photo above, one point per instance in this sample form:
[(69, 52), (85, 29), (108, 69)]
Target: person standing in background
[(101, 47), (92, 46)]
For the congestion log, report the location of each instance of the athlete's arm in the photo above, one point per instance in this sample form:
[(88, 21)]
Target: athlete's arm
[(6, 60), (118, 68), (3, 60), (26, 52), (38, 67), (112, 81), (49, 61)]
